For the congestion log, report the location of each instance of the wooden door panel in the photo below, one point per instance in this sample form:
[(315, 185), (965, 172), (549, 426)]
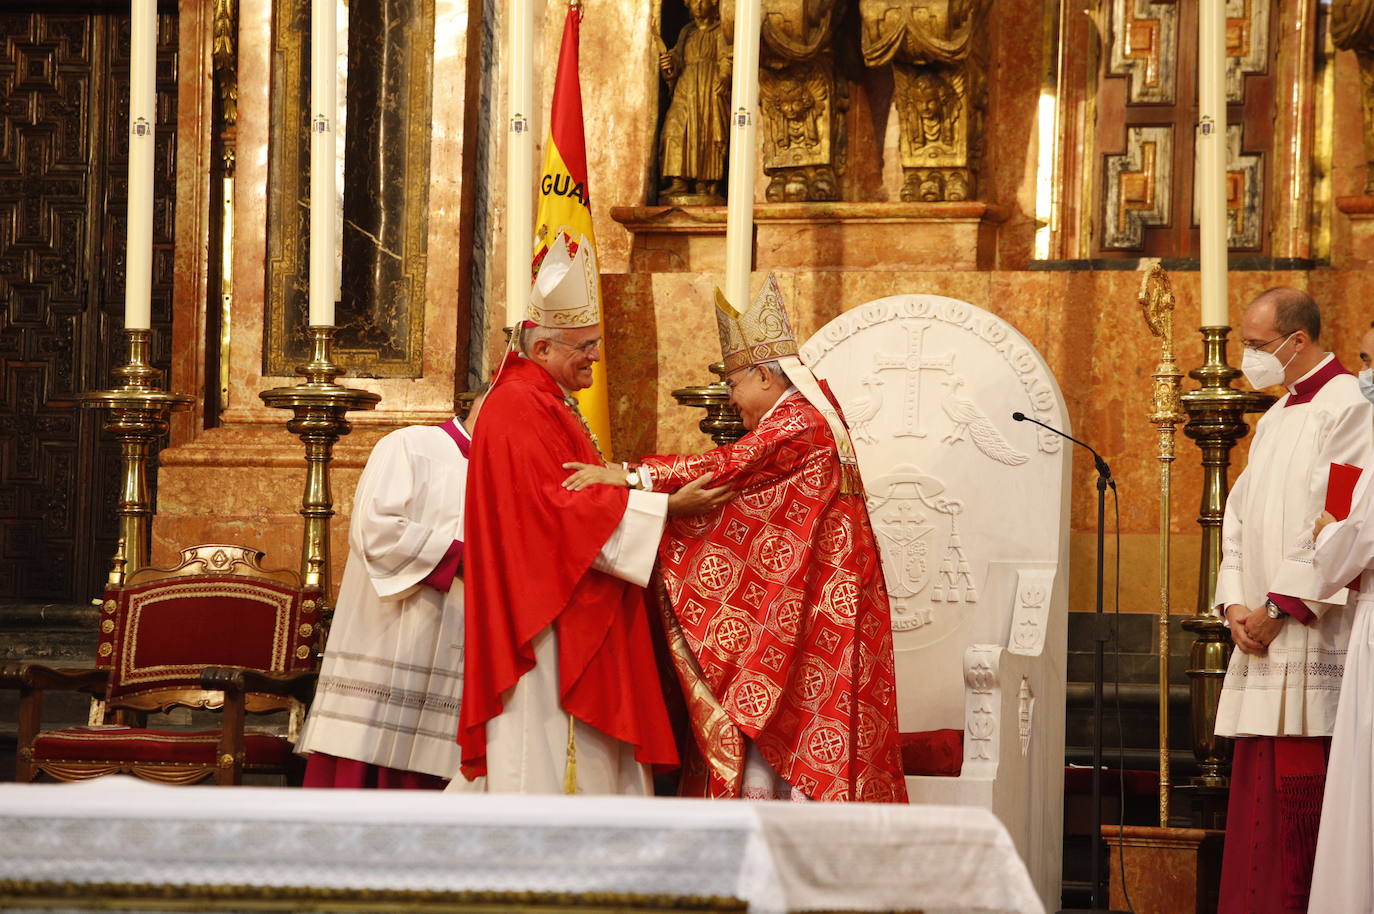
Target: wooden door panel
[(63, 190)]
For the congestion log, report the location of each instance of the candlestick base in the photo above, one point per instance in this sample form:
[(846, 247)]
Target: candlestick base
[(722, 420), (140, 414), (320, 407)]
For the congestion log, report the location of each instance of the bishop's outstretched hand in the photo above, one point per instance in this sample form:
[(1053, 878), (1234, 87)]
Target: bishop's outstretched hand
[(696, 498)]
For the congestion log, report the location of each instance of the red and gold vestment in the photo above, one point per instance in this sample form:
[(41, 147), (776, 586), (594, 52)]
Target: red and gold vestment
[(778, 618)]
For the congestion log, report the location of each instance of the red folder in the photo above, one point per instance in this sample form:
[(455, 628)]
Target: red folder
[(1340, 486)]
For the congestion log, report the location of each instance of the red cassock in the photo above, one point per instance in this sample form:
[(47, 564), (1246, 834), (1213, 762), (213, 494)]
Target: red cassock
[(779, 599), (530, 545)]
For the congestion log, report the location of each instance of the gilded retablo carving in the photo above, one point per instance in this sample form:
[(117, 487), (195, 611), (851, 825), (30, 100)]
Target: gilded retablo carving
[(802, 100), (937, 54)]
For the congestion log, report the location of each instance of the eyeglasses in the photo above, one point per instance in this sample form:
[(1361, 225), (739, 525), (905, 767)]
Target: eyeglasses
[(586, 348), (733, 382), (1259, 347)]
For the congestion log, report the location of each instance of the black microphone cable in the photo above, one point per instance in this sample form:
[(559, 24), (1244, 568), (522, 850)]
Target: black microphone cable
[(1105, 472), (1120, 726)]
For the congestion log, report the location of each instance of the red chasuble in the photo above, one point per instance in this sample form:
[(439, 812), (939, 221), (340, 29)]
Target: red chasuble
[(529, 549), (779, 600)]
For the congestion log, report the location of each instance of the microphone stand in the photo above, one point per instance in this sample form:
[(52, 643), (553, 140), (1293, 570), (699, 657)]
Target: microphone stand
[(1100, 630)]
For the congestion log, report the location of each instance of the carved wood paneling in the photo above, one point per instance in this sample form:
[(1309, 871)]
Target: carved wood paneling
[(64, 100), (1146, 204), (1145, 48), (1139, 186), (1247, 44)]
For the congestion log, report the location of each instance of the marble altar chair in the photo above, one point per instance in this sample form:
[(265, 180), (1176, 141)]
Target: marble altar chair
[(971, 513), (216, 632)]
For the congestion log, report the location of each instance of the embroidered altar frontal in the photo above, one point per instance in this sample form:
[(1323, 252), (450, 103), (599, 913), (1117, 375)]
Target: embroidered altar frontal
[(120, 844)]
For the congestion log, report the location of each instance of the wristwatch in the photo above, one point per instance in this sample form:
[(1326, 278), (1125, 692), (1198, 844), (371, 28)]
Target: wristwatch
[(1272, 610), (632, 480)]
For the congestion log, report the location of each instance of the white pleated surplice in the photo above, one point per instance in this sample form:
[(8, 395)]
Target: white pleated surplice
[(393, 668), (1343, 877), (1267, 544)]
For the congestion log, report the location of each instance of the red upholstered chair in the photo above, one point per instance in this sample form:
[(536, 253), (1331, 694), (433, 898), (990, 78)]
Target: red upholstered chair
[(216, 632)]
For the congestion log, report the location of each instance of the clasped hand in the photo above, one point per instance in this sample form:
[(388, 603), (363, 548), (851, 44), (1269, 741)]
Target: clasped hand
[(1252, 629), (693, 498), (1326, 518)]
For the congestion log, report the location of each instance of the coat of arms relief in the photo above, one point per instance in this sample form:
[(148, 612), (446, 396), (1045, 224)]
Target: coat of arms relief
[(928, 386)]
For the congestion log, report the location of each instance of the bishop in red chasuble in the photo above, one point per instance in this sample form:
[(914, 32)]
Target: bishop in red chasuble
[(775, 608), (560, 686)]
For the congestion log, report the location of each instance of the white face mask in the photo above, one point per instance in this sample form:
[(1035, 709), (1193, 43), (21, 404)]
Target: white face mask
[(1263, 369), (1367, 384)]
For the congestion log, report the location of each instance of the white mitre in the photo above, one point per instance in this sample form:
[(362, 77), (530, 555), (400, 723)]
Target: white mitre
[(566, 293)]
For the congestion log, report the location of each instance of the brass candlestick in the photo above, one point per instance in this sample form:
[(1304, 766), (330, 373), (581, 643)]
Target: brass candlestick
[(140, 412), (320, 408), (1157, 301), (722, 420), (1216, 422)]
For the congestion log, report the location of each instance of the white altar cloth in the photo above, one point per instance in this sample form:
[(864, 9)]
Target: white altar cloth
[(777, 857)]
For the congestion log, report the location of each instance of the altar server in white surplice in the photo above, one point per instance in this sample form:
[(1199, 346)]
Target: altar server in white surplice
[(1343, 877), (1290, 626), (386, 711)]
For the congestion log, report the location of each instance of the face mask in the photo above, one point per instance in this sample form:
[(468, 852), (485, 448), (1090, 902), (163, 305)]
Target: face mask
[(1263, 369), (1367, 384)]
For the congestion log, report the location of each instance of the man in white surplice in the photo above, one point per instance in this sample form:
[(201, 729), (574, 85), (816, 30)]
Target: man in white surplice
[(1343, 877), (386, 710), (1290, 627)]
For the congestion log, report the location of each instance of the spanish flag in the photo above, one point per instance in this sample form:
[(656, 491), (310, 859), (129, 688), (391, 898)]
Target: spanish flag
[(565, 203)]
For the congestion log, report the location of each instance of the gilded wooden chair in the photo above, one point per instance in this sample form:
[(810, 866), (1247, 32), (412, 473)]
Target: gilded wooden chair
[(216, 632)]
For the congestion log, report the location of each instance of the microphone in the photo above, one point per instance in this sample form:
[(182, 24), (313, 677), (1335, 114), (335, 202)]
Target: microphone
[(1102, 469)]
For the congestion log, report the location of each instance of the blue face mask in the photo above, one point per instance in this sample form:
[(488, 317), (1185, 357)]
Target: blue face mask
[(1367, 384)]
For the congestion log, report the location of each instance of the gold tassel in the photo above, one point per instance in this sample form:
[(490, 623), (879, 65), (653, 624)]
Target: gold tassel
[(570, 772), (851, 483)]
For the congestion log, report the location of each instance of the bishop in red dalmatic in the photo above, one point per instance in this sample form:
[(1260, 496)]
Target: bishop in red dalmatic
[(774, 606)]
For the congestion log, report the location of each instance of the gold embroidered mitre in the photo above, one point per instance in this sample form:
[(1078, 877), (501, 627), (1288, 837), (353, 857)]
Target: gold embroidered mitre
[(567, 292), (761, 334)]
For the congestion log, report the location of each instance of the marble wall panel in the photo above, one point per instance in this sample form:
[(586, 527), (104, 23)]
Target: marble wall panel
[(1347, 156), (620, 91), (191, 250), (244, 479), (1087, 325), (661, 335), (426, 398), (1020, 60), (245, 487)]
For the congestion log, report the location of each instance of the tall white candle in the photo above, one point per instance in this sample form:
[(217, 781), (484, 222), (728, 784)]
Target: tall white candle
[(744, 106), (519, 158), (323, 189), (138, 269), (1210, 182)]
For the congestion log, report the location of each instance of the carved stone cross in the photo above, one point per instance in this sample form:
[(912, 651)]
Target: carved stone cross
[(913, 363)]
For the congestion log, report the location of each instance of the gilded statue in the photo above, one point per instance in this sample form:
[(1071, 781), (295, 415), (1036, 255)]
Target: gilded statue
[(692, 142), (937, 57), (1352, 29)]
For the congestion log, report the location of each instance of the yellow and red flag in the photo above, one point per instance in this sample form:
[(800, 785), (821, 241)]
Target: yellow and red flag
[(565, 203)]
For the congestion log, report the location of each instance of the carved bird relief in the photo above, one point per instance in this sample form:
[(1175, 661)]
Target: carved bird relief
[(864, 410), (967, 417)]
